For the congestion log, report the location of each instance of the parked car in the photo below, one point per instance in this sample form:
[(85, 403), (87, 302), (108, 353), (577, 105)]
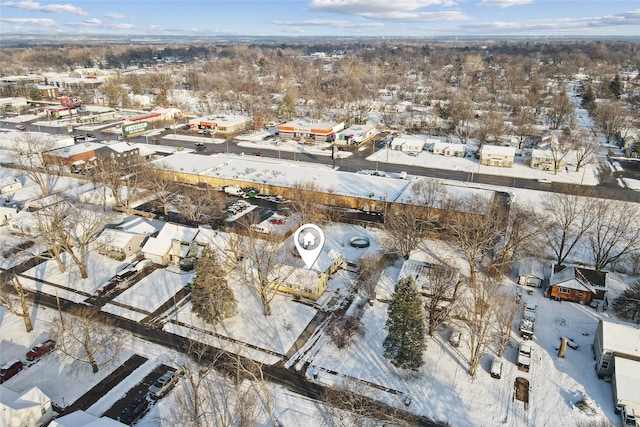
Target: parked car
[(21, 127), (496, 367), (126, 274), (257, 153), (10, 369), (544, 181), (111, 285), (40, 350), (163, 384), (134, 411), (454, 338)]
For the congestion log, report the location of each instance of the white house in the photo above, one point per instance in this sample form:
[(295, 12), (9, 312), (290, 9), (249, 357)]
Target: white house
[(84, 419), (119, 244), (530, 272), (408, 144), (495, 155), (10, 184), (30, 408), (161, 249), (448, 149), (615, 339)]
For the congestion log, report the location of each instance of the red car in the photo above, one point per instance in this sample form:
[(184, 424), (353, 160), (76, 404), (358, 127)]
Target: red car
[(10, 369), (277, 221), (40, 350), (108, 287)]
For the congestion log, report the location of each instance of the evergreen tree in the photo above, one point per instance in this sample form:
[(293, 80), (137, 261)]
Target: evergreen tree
[(287, 107), (211, 297), (589, 99), (616, 86), (406, 323)]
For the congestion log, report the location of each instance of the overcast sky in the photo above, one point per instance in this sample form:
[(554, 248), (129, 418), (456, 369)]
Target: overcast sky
[(324, 17)]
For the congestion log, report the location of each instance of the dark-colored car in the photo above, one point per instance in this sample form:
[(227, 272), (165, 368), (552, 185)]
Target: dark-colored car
[(134, 411), (126, 274), (40, 350), (10, 369)]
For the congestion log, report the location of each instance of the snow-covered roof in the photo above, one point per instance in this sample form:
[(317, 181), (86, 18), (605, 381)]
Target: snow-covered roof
[(498, 150), (306, 125), (419, 270), (161, 244), (579, 278), (621, 337), (541, 154), (13, 400), (531, 267), (84, 419), (140, 225), (443, 145), (627, 378), (114, 238)]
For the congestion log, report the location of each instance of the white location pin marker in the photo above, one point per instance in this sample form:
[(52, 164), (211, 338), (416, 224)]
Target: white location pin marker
[(309, 240)]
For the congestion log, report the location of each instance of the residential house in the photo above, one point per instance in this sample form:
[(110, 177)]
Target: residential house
[(615, 339), (172, 244), (175, 243), (545, 160), (84, 419), (29, 408), (293, 278), (449, 149), (577, 284), (530, 272), (10, 184), (408, 144), (119, 244), (423, 272), (495, 155)]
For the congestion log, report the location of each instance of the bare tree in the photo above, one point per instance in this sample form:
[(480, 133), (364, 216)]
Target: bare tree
[(585, 149), (559, 110), (28, 154), (7, 302), (405, 228), (559, 149), (611, 118), (260, 262), (83, 336), (78, 231), (505, 310), (615, 231), (430, 194), (474, 224), (348, 405), (208, 399), (119, 173), (50, 223), (442, 293), (521, 236), (369, 270), (569, 218), (480, 306), (201, 204), (306, 201), (156, 180)]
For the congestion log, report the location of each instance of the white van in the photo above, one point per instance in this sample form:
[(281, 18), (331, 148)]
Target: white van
[(496, 367)]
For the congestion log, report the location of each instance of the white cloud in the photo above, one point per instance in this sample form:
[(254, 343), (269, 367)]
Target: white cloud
[(503, 3), (122, 26), (42, 22), (114, 15), (94, 22), (52, 8), (555, 26), (399, 10), (335, 23)]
